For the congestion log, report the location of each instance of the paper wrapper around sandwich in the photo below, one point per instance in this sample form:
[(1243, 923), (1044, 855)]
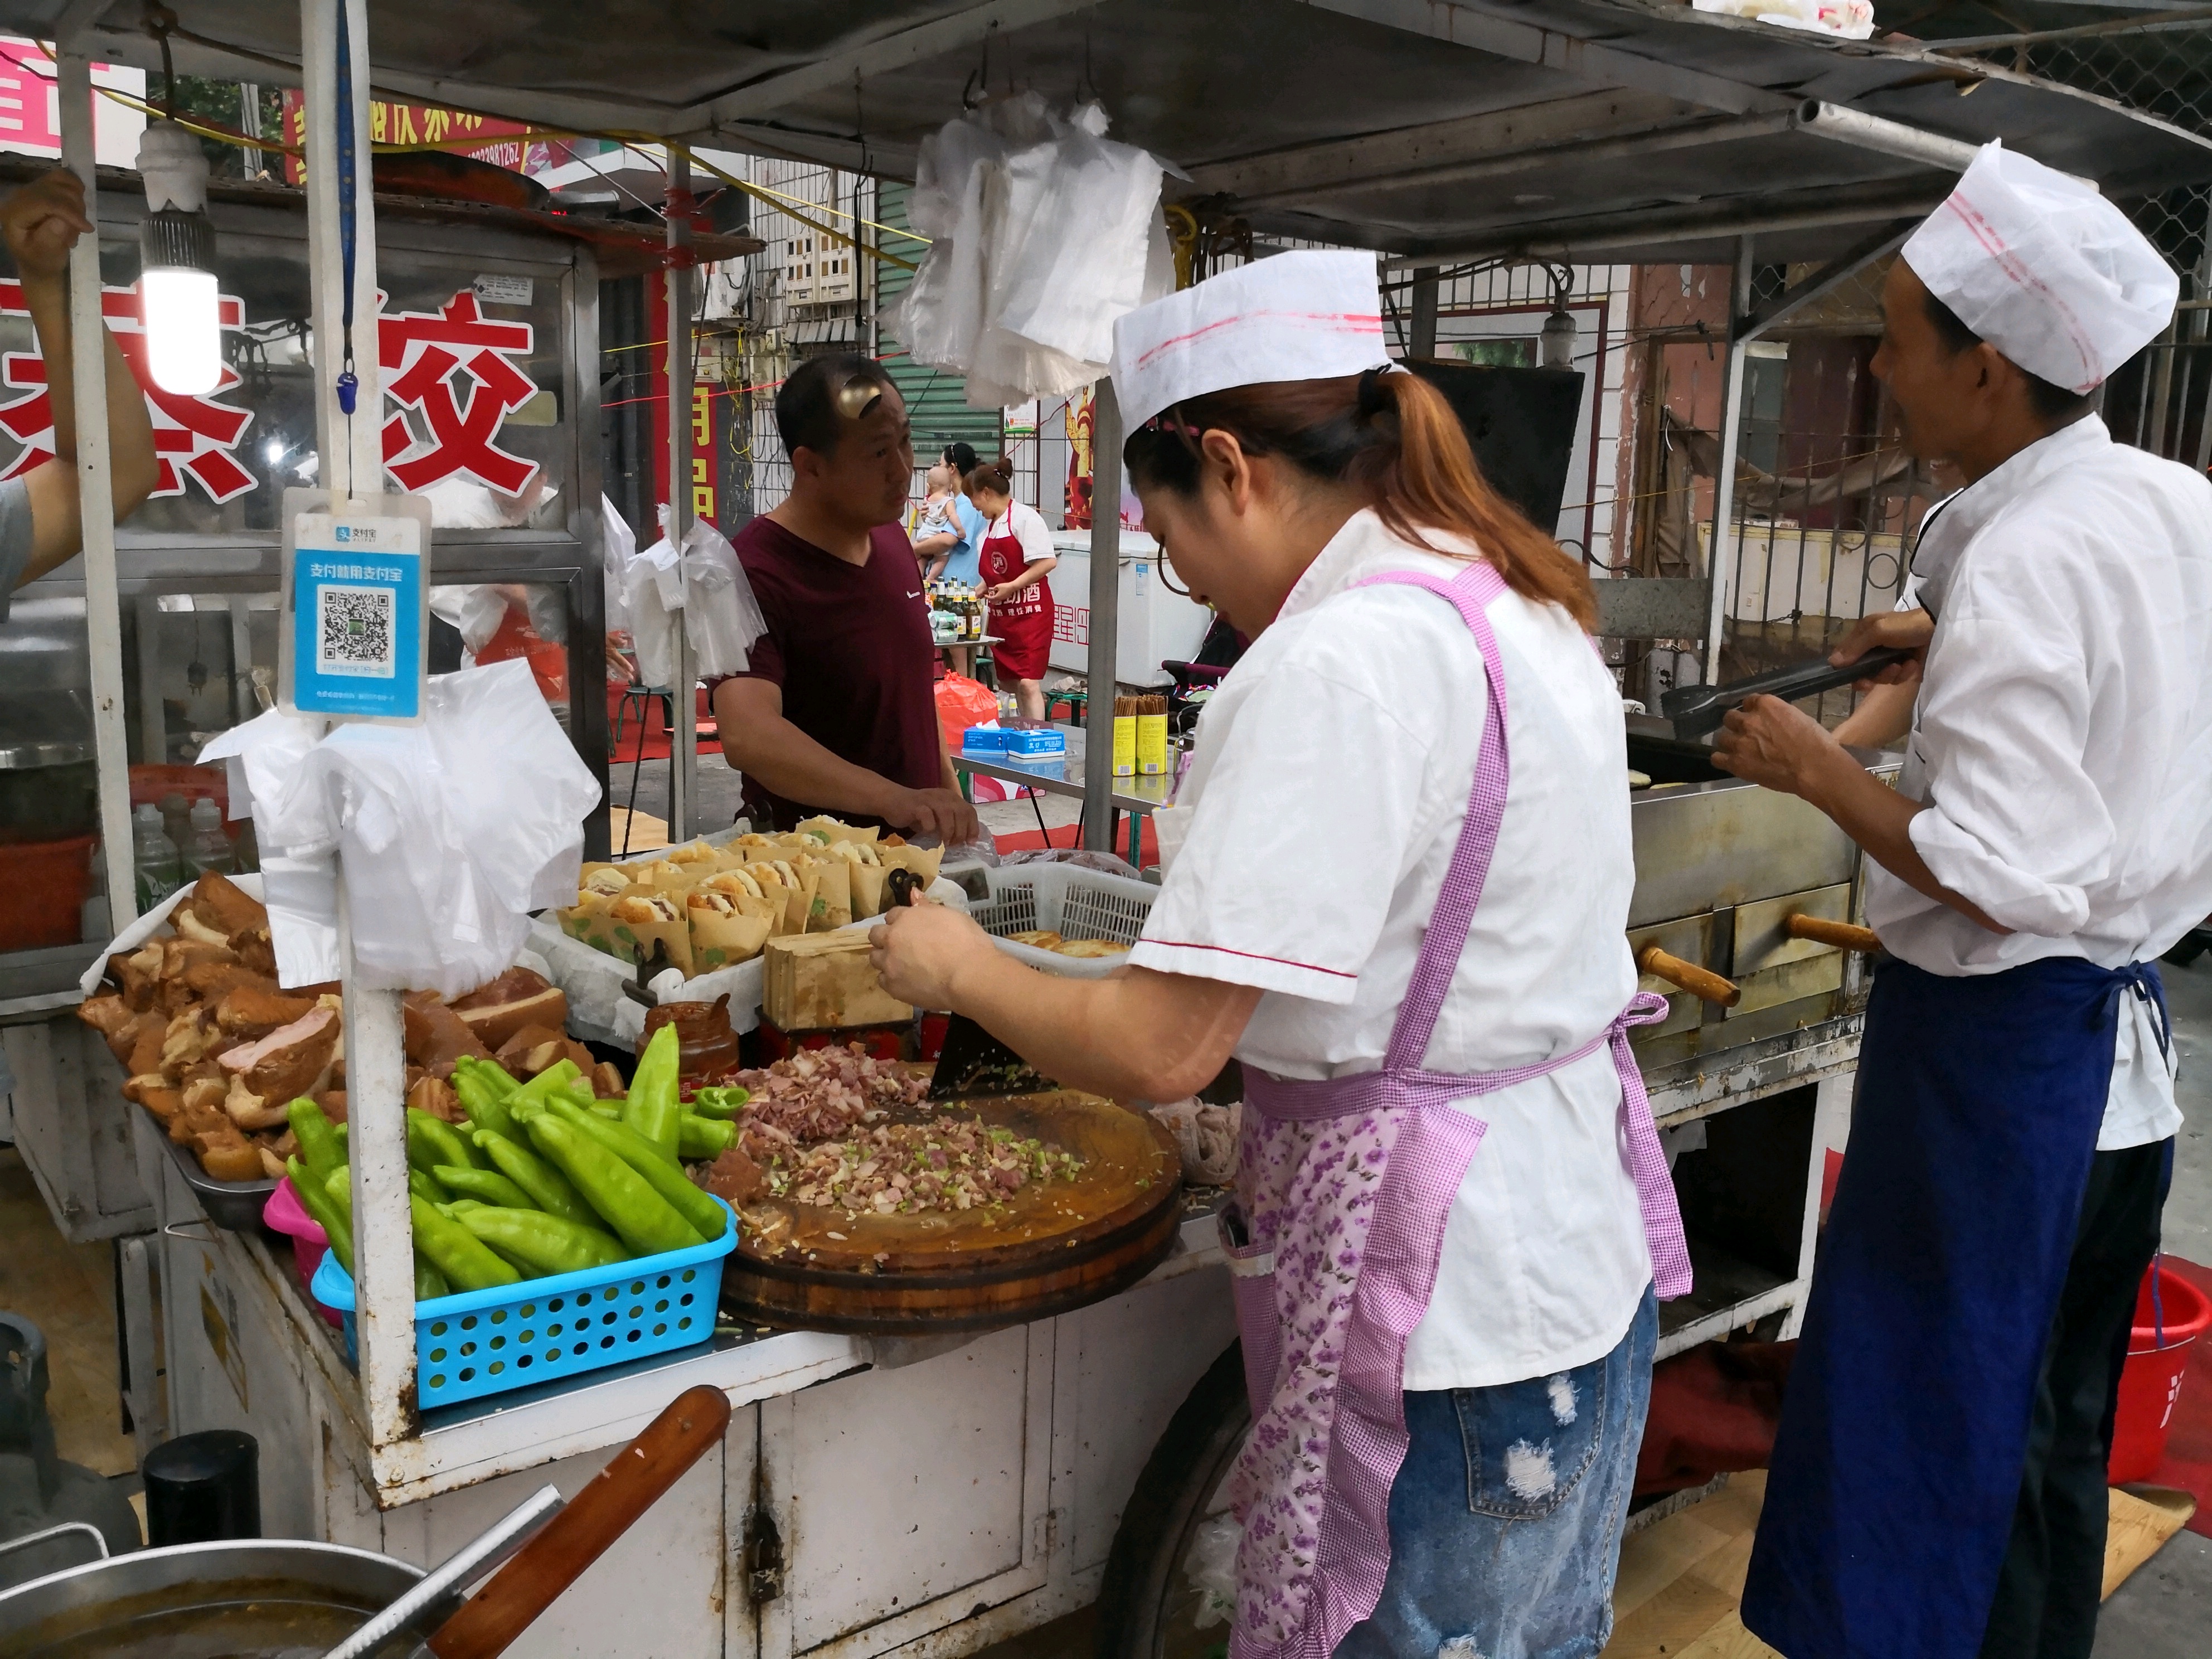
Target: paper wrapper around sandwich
[(633, 941), (867, 881), (837, 831), (830, 906), (790, 902), (718, 940)]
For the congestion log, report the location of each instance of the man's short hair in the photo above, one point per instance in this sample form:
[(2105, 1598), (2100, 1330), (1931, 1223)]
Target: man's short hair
[(806, 405), (2051, 401)]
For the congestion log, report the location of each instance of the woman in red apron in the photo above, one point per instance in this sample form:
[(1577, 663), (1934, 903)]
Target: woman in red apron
[(1397, 882), (1017, 556)]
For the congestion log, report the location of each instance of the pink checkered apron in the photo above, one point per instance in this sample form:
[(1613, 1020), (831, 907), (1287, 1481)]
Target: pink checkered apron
[(1345, 1185)]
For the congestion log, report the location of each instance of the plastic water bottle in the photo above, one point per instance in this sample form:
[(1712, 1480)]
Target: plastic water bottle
[(208, 848), (160, 870)]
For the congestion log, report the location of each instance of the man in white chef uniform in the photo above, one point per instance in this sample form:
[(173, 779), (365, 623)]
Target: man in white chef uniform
[(1938, 1484)]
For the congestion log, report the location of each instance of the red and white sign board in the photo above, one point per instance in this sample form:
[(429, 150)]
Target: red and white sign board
[(30, 108), (463, 373)]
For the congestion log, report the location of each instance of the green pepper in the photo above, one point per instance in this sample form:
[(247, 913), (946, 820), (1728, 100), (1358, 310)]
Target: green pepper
[(432, 1141), (342, 1131), (455, 1251), (640, 1217), (548, 1190), (697, 1208), (553, 1079), (482, 1098), (716, 1101), (429, 1282), (611, 1110), (320, 1149), (702, 1140), (651, 1109), (316, 1201), (427, 1185), (545, 1243), (487, 1185), (501, 1081)]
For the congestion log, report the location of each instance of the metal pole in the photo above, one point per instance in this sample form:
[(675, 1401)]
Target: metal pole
[(1422, 342), (353, 469), (1724, 472), (103, 617), (682, 734), (1105, 600)]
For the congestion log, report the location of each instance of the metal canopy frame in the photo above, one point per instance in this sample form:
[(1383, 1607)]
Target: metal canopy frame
[(1641, 131)]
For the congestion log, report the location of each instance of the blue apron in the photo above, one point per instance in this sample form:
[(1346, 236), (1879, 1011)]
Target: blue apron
[(1904, 1432)]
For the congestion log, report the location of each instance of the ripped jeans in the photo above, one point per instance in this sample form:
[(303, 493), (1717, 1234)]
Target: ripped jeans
[(1505, 1518)]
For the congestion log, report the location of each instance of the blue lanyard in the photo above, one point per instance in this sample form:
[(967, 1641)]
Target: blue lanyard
[(349, 383)]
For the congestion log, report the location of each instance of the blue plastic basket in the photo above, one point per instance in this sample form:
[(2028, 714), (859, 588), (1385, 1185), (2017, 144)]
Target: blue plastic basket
[(482, 1342)]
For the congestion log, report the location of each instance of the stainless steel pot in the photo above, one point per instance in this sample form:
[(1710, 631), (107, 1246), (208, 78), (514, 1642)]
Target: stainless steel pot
[(49, 790), (242, 1599)]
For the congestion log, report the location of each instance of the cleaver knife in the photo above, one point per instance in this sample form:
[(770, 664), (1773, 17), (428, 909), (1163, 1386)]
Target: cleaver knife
[(973, 1063)]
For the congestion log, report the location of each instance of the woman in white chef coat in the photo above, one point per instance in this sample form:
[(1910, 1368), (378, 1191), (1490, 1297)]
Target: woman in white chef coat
[(1397, 888)]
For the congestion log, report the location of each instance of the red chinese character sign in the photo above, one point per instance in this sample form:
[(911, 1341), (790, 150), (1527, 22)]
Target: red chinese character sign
[(454, 368), (195, 437), (423, 355)]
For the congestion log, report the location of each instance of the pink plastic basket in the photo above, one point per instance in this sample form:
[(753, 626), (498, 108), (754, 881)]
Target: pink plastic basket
[(310, 1243)]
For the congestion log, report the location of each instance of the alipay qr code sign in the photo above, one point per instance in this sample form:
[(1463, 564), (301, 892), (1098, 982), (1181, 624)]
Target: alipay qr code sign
[(357, 603)]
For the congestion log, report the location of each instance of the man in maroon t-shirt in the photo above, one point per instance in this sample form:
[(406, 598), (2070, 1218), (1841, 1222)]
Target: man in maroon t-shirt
[(836, 712)]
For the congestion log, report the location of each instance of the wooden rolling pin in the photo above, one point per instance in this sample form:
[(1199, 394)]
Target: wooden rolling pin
[(1701, 982), (1842, 935)]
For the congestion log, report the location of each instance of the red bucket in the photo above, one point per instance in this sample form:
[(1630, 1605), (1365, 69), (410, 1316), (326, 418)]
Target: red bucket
[(42, 901), (2159, 1347)]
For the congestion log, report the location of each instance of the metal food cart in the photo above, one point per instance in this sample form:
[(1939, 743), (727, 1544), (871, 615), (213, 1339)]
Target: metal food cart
[(933, 1495)]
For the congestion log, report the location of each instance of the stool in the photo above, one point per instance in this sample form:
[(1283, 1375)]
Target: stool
[(1077, 702), (643, 696)]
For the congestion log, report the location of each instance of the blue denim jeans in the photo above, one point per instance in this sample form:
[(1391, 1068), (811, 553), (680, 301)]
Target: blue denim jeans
[(1505, 1518)]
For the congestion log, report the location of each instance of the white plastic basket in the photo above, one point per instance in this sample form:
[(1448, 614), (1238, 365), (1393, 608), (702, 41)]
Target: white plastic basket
[(1070, 901)]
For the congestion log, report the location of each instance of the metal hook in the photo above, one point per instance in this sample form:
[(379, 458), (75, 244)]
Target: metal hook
[(176, 1230)]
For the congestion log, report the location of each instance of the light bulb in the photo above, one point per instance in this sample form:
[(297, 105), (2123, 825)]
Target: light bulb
[(184, 328)]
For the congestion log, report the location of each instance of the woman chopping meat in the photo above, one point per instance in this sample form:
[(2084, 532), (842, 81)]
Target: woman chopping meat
[(1017, 557), (1398, 883)]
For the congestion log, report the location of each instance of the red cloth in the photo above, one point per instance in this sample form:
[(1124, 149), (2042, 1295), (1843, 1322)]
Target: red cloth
[(1022, 623), (1713, 1410), (850, 645)]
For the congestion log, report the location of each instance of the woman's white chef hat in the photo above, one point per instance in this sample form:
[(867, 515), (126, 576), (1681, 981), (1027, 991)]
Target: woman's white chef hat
[(2044, 269), (1302, 316)]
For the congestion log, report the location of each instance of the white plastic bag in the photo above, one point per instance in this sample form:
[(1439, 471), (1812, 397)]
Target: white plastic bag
[(447, 833), (1045, 232), (653, 619), (1210, 1567), (707, 586), (618, 546)]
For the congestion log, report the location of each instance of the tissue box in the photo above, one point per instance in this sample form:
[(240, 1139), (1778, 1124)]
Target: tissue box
[(1018, 742), (984, 740)]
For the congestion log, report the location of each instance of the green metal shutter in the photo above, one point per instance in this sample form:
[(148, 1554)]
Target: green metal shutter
[(937, 402)]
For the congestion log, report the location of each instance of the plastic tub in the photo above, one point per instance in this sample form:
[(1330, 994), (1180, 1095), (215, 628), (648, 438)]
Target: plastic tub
[(42, 901), (284, 1214), (481, 1342), (2159, 1347), (1069, 900)]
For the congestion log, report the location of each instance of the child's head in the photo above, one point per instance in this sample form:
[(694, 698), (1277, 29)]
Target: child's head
[(942, 479)]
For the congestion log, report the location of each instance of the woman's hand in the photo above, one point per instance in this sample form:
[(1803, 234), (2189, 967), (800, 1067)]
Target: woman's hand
[(999, 592), (921, 952), (41, 223), (1772, 744)]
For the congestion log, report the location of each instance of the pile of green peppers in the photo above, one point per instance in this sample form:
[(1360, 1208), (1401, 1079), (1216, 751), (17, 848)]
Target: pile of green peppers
[(543, 1178)]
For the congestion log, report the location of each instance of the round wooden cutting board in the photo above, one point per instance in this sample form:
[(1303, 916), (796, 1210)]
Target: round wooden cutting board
[(1052, 1246)]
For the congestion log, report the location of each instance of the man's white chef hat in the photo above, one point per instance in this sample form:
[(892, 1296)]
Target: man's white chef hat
[(2044, 269), (1303, 316)]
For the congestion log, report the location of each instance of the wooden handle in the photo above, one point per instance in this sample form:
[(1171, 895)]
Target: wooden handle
[(489, 1620), (1687, 975), (1842, 934)]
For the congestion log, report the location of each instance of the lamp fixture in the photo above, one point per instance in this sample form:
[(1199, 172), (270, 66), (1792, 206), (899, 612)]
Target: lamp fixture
[(178, 294)]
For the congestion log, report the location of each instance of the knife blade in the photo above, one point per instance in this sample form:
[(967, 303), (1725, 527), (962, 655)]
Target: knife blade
[(972, 1062)]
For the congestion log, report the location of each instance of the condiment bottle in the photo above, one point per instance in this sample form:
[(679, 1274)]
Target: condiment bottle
[(207, 847), (155, 856), (707, 1045)]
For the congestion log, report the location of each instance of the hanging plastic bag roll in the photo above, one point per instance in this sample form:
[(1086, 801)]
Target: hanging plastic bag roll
[(720, 615)]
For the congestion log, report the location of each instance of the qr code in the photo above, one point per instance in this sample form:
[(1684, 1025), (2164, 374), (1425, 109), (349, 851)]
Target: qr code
[(356, 634)]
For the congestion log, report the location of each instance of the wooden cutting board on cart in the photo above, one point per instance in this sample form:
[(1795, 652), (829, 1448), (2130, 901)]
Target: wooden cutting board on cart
[(1051, 1247)]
